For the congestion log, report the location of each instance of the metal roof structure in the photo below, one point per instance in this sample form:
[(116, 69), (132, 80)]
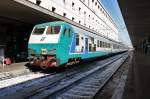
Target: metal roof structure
[(136, 14)]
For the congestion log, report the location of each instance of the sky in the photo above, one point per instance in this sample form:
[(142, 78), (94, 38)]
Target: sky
[(113, 9)]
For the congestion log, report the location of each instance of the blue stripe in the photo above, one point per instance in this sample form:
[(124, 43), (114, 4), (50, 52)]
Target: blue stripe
[(73, 43)]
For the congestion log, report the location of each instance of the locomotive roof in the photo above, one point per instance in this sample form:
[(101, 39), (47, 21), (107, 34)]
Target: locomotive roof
[(51, 23)]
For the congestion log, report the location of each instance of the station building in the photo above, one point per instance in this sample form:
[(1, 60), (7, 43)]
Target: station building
[(17, 18)]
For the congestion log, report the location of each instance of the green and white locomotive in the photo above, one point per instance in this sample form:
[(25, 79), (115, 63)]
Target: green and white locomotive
[(53, 44)]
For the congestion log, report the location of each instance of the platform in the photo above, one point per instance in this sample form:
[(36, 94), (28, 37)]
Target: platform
[(13, 67), (138, 81)]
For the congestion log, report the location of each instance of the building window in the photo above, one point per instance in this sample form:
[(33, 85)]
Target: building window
[(100, 9), (79, 10), (95, 3), (82, 38), (72, 18), (72, 4), (64, 1), (79, 21), (64, 14), (38, 2), (53, 9)]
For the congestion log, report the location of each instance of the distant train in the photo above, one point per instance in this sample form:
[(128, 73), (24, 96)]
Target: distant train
[(53, 44)]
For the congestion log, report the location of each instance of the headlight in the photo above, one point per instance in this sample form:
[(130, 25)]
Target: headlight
[(43, 51)]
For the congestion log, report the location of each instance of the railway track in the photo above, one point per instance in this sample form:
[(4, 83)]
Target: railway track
[(57, 85), (83, 86)]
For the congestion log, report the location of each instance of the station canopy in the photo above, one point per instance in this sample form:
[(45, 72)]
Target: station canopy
[(136, 14), (13, 12)]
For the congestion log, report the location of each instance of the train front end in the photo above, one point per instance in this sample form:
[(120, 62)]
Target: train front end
[(43, 45)]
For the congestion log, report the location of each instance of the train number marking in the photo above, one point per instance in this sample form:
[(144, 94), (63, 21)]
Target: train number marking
[(43, 38)]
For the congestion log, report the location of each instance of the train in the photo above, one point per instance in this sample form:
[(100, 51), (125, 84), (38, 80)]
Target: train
[(55, 44)]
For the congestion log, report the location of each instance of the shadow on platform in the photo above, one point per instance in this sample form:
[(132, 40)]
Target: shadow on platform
[(138, 81)]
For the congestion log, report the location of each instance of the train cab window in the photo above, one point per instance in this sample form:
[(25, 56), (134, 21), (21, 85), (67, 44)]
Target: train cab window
[(39, 30), (53, 30), (77, 40)]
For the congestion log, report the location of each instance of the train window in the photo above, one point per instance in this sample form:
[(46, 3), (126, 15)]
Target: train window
[(92, 40), (109, 45), (100, 43), (53, 30), (90, 47), (103, 44), (39, 30), (95, 3), (94, 48), (77, 39), (97, 43)]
